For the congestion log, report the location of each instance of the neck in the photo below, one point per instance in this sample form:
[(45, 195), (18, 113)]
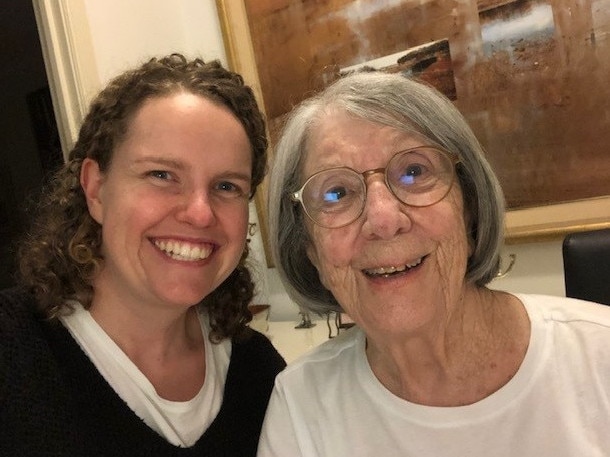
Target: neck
[(167, 346), (471, 354)]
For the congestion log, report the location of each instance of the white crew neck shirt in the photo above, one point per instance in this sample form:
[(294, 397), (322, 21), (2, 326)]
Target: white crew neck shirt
[(330, 403)]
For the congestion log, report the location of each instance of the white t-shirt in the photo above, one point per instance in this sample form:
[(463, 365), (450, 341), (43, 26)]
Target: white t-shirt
[(329, 403), (180, 423)]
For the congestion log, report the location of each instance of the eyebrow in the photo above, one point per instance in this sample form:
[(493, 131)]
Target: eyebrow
[(236, 175), (161, 161)]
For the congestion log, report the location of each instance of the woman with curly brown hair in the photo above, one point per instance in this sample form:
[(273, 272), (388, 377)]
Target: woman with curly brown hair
[(128, 335)]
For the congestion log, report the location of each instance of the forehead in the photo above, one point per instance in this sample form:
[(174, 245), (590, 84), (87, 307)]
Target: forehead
[(339, 139), (184, 126)]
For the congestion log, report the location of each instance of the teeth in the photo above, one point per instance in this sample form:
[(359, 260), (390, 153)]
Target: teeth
[(386, 271), (184, 251)]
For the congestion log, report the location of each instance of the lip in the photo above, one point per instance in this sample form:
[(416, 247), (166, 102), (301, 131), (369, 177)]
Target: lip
[(185, 251), (393, 270)]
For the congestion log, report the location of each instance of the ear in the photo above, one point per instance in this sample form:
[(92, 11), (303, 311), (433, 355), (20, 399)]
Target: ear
[(91, 180), (312, 255), (468, 225), (471, 245)]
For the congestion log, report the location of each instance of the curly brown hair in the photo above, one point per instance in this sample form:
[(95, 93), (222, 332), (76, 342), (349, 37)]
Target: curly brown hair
[(62, 252)]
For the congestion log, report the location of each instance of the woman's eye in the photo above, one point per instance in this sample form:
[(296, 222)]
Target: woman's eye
[(229, 188), (334, 195), (160, 174), (415, 170), (412, 173)]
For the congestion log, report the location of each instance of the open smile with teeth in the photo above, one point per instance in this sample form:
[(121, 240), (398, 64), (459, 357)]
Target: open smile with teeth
[(187, 252), (388, 271)]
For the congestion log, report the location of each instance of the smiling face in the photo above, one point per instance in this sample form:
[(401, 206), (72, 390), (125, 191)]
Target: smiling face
[(395, 269), (173, 204)]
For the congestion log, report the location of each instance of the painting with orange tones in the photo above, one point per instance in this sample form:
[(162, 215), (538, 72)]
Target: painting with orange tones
[(429, 62), (530, 76)]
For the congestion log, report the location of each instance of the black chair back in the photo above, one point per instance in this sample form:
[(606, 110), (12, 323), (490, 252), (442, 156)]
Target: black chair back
[(586, 264)]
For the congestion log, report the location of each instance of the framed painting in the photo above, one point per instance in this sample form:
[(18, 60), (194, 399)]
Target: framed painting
[(530, 77)]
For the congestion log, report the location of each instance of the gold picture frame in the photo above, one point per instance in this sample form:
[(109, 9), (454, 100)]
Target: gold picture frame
[(530, 224), (240, 57)]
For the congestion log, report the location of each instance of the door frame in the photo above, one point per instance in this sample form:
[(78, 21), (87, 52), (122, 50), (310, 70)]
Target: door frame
[(69, 58)]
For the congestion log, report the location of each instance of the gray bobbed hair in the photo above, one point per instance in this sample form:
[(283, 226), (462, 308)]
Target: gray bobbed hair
[(389, 100)]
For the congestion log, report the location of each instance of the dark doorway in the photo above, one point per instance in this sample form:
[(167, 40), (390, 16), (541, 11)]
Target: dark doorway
[(29, 141)]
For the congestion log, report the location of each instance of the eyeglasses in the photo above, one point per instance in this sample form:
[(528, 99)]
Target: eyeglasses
[(417, 177)]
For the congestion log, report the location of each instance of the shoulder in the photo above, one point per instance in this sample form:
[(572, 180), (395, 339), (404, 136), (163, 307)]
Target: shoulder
[(253, 368), (571, 338), (563, 310), (254, 349), (15, 296), (26, 335), (340, 354), (576, 329), (16, 308)]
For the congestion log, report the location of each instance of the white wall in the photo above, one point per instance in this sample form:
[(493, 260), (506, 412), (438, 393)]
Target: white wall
[(538, 269), (123, 33)]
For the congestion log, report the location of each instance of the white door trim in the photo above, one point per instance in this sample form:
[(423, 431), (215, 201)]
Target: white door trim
[(70, 62)]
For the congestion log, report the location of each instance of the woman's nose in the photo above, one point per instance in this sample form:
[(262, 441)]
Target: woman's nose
[(197, 209), (384, 215)]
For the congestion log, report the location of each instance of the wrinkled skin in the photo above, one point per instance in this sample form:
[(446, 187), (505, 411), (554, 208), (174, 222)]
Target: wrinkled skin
[(425, 326)]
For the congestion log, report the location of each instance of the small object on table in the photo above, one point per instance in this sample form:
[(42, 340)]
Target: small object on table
[(305, 321)]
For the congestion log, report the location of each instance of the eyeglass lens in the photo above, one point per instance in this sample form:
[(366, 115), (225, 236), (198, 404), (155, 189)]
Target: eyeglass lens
[(417, 177)]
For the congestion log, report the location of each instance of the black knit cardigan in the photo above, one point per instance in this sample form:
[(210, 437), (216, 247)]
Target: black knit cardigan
[(54, 402)]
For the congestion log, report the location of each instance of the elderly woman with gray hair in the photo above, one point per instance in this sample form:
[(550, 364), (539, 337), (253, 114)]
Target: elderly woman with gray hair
[(383, 206)]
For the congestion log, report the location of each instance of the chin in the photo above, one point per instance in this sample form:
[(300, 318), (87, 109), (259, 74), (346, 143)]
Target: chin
[(182, 299)]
